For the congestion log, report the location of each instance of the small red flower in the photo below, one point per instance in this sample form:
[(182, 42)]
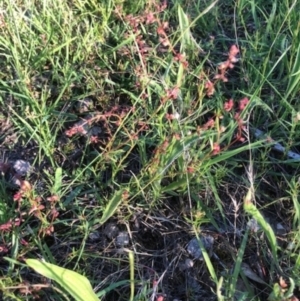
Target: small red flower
[(234, 51), (165, 42), (25, 186), (240, 138), (179, 57), (216, 148), (209, 124), (190, 169), (54, 214), (150, 18), (17, 196), (173, 93), (224, 65), (76, 129), (94, 139), (169, 116), (243, 103), (222, 77), (53, 198), (228, 105), (161, 31), (210, 88), (6, 227), (177, 136)]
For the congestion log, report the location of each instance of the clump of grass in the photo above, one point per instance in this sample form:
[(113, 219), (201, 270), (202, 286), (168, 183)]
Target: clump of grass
[(140, 123)]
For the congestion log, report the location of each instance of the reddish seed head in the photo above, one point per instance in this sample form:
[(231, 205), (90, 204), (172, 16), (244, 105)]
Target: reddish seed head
[(25, 186), (216, 148), (224, 65), (165, 42), (177, 136), (243, 103), (228, 105), (173, 93), (150, 18), (53, 198), (54, 214), (179, 57), (210, 89), (190, 169), (209, 124), (160, 31), (234, 50), (166, 25), (17, 196), (94, 139)]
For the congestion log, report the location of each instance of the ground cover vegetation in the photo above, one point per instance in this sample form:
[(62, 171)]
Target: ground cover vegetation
[(152, 147)]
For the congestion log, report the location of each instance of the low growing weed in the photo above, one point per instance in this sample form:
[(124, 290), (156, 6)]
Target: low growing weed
[(146, 125)]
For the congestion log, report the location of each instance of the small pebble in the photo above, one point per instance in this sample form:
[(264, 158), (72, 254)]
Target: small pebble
[(94, 236), (111, 230), (187, 264), (280, 230), (194, 249), (22, 167), (122, 239), (253, 225), (94, 131)]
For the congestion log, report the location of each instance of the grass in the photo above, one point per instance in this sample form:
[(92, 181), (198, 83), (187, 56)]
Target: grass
[(139, 122)]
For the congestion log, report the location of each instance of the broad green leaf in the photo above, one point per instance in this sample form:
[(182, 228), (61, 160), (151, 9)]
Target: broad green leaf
[(75, 284), (230, 153), (175, 185)]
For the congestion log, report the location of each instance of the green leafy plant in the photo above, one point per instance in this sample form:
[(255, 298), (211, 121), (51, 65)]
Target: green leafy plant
[(73, 283), (140, 120)]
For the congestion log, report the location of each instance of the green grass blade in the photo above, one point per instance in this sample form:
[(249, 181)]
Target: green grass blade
[(56, 189), (251, 209), (207, 260), (111, 287), (294, 77), (238, 263), (112, 206), (186, 37)]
